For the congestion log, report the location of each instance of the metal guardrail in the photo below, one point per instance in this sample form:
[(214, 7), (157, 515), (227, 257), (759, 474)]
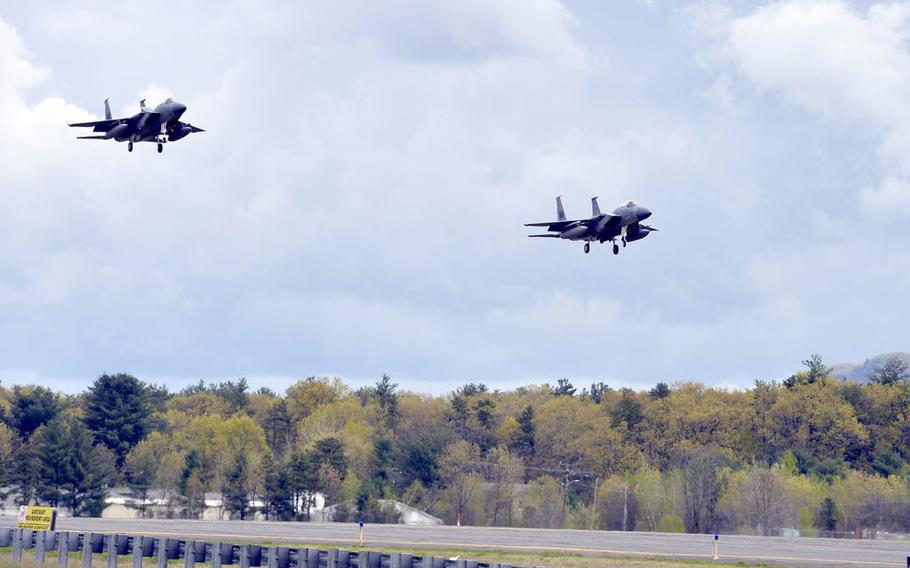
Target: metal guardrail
[(219, 554)]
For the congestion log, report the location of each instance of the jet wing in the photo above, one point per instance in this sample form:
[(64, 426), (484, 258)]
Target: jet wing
[(563, 225), (192, 128), (99, 125), (557, 225)]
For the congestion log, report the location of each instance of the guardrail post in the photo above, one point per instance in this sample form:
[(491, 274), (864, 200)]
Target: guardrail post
[(111, 551), (189, 554), (284, 557), (6, 537), (216, 555), (244, 556), (17, 545), (162, 553), (87, 546), (369, 559), (40, 544), (63, 549), (309, 558), (137, 551)]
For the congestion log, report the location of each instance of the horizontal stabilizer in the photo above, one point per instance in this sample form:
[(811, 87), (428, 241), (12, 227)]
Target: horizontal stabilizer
[(91, 137), (98, 125), (548, 235)]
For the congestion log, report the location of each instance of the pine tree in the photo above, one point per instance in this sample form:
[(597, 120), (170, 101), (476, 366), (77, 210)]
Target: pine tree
[(24, 473), (380, 478), (302, 469), (117, 411), (892, 372), (628, 410), (192, 489), (30, 408), (235, 492), (330, 451), (522, 443), (277, 491), (51, 454), (278, 428), (660, 390), (89, 473), (388, 401), (563, 388), (71, 473)]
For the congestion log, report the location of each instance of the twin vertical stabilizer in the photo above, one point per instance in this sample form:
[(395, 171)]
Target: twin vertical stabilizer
[(560, 212)]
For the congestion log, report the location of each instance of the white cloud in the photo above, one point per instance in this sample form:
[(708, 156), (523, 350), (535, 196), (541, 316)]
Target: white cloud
[(843, 64), (356, 203), (829, 58), (889, 200)]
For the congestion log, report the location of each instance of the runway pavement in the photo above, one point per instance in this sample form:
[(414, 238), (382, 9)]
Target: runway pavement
[(797, 552)]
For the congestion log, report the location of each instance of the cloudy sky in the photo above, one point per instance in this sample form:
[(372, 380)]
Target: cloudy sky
[(356, 204)]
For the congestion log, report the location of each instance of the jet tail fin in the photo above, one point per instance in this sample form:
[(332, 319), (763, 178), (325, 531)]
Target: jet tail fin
[(560, 212), (595, 208), (107, 109)]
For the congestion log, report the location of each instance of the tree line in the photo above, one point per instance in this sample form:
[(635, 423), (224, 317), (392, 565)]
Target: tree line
[(809, 452)]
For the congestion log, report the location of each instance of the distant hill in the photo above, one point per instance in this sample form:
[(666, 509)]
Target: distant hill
[(860, 373)]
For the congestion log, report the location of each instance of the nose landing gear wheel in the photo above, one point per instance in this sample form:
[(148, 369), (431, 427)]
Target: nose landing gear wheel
[(587, 248), (129, 147), (615, 249), (160, 147)]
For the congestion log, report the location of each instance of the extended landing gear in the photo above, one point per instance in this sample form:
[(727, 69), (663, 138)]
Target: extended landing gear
[(615, 248), (160, 147), (623, 242), (129, 147), (587, 248)]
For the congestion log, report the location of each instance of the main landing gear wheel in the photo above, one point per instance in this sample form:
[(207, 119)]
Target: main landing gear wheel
[(615, 248), (587, 248), (623, 242), (129, 147), (160, 147)]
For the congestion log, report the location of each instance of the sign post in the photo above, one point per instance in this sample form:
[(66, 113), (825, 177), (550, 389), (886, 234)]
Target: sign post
[(37, 518), (361, 532), (716, 555)]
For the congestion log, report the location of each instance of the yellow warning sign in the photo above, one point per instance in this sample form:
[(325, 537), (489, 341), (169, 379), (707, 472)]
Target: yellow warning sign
[(37, 518)]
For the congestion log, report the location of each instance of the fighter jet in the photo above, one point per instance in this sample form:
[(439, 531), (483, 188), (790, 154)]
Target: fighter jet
[(161, 124), (624, 223)]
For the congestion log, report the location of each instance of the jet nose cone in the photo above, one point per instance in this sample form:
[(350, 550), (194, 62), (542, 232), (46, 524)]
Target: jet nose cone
[(643, 213)]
